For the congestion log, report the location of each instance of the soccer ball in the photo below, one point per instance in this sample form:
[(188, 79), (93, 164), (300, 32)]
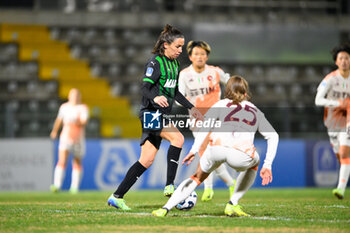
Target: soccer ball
[(188, 203)]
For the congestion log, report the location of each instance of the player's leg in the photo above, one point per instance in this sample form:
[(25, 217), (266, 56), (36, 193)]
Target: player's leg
[(176, 139), (208, 193), (248, 166), (148, 153), (77, 174), (224, 175), (183, 191), (334, 141), (60, 169), (344, 171), (77, 171)]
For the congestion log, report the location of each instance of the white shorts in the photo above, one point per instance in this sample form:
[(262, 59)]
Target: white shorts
[(214, 156), (338, 139), (77, 149)]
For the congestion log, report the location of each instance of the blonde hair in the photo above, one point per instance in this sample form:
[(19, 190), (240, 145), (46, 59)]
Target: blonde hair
[(202, 44), (237, 89)]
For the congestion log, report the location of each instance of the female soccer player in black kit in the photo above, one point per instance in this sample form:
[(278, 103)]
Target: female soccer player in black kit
[(159, 91)]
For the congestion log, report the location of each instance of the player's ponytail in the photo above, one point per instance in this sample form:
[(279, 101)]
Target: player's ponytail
[(168, 35), (237, 89)]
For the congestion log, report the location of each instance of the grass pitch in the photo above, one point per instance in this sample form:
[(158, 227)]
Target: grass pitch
[(272, 210)]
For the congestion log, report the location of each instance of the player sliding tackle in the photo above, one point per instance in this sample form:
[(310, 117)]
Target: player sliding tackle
[(240, 120)]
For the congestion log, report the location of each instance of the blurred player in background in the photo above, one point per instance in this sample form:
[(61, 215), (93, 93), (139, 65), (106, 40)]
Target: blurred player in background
[(233, 144), (200, 83), (73, 115), (159, 91), (333, 93)]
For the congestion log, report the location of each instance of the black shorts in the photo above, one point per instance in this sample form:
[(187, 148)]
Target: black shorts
[(152, 135)]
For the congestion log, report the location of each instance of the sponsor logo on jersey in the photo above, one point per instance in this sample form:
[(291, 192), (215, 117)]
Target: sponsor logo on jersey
[(170, 83), (202, 91), (149, 71)]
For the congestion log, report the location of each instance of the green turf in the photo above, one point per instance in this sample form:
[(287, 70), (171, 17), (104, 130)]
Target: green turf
[(272, 210)]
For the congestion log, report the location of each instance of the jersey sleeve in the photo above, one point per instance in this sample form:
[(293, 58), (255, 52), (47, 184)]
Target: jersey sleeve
[(152, 72), (269, 133), (224, 77), (182, 84), (322, 92)]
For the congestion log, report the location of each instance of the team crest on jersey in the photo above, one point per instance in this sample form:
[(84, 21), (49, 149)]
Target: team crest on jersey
[(149, 71), (170, 83), (210, 78)]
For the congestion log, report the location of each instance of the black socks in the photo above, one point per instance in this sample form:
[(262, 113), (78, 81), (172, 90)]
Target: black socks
[(134, 172), (173, 162)]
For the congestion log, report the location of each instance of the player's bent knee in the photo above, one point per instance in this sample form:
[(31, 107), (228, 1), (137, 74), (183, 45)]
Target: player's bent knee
[(178, 141), (146, 163)]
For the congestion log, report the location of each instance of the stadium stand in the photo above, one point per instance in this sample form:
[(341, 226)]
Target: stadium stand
[(107, 59), (55, 64)]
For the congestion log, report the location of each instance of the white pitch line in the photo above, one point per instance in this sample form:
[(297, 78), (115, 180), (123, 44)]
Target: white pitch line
[(204, 216)]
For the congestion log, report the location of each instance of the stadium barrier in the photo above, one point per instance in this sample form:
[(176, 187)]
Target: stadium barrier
[(28, 164)]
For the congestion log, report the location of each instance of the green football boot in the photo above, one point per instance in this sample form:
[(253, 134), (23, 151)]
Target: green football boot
[(207, 195), (162, 212), (118, 203), (339, 193), (169, 190), (235, 210), (54, 189)]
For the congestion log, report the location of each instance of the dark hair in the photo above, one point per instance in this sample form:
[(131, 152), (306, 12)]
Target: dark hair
[(341, 48), (168, 35), (237, 89), (202, 44)]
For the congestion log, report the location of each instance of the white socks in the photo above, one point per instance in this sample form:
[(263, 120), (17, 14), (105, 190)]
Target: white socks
[(181, 193), (59, 174), (208, 182), (222, 172), (244, 181), (76, 178), (344, 173)]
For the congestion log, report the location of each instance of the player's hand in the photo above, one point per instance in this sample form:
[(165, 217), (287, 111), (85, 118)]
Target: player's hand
[(161, 101), (189, 157), (196, 114), (266, 176), (344, 103)]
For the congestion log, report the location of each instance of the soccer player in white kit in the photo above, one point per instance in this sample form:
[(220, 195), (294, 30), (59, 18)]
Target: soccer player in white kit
[(200, 83), (333, 94), (73, 115), (233, 143)]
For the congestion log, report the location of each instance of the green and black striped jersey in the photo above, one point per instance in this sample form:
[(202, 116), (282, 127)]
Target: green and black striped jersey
[(163, 74)]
